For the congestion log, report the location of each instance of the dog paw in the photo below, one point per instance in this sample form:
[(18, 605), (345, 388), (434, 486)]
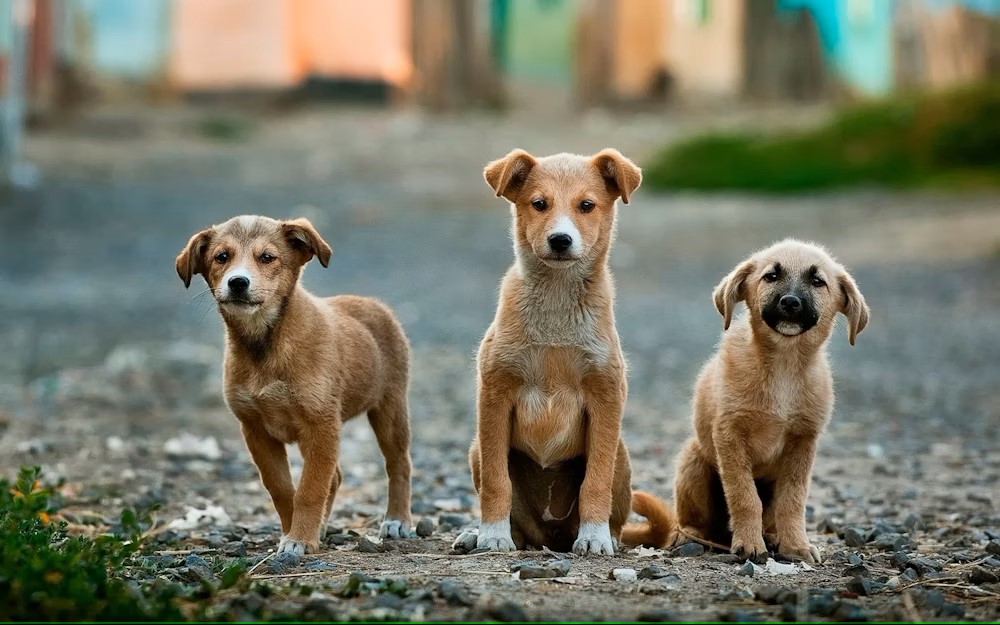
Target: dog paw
[(594, 539), (799, 551), (394, 528), (495, 536), (749, 547), (297, 547)]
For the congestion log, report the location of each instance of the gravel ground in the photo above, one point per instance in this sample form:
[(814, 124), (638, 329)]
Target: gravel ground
[(112, 375)]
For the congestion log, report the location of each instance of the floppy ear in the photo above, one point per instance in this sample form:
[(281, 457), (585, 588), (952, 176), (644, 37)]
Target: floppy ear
[(854, 307), (622, 175), (507, 174), (303, 237), (731, 291), (191, 260)]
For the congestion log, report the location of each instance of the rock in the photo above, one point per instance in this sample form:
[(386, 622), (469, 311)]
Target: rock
[(739, 615), (466, 542), (688, 550), (992, 562), (452, 592), (912, 522), (506, 612), (924, 565), (856, 569), (389, 601), (425, 527), (655, 572), (910, 574), (773, 595), (320, 565), (622, 575), (368, 545), (548, 570), (748, 569), (189, 446), (891, 542), (658, 616), (981, 575), (773, 567), (282, 562), (726, 558), (195, 560), (900, 559), (993, 547), (952, 610), (854, 537), (851, 612), (210, 516), (860, 585), (338, 540), (235, 550), (452, 521), (855, 559), (827, 525)]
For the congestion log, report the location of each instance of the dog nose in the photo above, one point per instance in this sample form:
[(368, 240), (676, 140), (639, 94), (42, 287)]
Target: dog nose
[(790, 303), (238, 284), (560, 242)]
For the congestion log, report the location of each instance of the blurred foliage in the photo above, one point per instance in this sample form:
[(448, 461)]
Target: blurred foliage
[(226, 128), (949, 139)]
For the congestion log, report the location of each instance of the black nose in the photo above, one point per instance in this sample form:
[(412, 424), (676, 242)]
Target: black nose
[(238, 284), (790, 303), (560, 242)]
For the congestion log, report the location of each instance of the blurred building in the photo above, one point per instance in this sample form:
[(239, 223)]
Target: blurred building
[(453, 53)]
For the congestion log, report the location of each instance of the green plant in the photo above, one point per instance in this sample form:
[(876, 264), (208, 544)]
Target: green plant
[(47, 574)]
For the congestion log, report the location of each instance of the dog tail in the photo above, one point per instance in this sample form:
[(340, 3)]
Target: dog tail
[(659, 526)]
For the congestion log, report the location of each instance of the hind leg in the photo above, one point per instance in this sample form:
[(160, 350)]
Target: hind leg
[(696, 513), (391, 423)]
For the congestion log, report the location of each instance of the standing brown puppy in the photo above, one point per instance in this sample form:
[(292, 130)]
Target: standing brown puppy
[(762, 401), (548, 460), (297, 366)]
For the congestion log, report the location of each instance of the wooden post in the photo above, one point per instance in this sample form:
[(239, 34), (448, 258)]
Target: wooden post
[(15, 20)]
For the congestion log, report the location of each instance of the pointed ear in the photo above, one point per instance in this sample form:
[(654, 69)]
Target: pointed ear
[(622, 175), (302, 236), (506, 175), (192, 259), (854, 306), (731, 291)]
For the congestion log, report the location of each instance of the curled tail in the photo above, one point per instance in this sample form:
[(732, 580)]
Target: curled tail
[(660, 524)]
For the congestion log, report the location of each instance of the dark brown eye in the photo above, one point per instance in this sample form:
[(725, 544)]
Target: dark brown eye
[(539, 204), (586, 206), (222, 258), (771, 276), (818, 282), (266, 257)]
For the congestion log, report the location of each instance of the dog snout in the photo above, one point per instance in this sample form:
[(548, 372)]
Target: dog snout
[(239, 285), (790, 303), (560, 242)]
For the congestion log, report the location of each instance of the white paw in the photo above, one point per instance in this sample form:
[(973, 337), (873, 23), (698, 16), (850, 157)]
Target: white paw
[(495, 536), (287, 545), (394, 528), (594, 538)]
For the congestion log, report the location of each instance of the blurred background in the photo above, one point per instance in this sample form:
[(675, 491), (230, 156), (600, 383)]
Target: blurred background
[(872, 126)]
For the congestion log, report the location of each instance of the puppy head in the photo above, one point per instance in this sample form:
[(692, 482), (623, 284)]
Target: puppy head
[(250, 263), (563, 205), (793, 289)]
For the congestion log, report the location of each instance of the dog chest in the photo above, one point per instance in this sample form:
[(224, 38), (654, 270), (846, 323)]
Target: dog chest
[(275, 406)]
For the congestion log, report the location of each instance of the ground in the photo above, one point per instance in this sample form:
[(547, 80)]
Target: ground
[(112, 366)]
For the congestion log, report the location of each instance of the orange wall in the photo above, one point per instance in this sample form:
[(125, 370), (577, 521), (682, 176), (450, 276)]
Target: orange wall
[(640, 36), (706, 58), (227, 44)]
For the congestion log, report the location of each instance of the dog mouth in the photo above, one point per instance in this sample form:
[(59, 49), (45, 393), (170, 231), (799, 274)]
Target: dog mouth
[(242, 304), (559, 261), (789, 325)]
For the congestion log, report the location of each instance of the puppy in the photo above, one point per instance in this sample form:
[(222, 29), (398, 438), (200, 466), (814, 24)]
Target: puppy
[(297, 366), (762, 400), (548, 460)]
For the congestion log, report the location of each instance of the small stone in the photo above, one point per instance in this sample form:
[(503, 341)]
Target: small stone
[(981, 575), (654, 572), (891, 542), (739, 615), (283, 561), (389, 601), (900, 559), (851, 612), (856, 569), (952, 610), (506, 612), (657, 616), (195, 561), (533, 570), (466, 542), (367, 545), (854, 559), (748, 569), (910, 574), (854, 537), (773, 595), (992, 562), (912, 522), (925, 565), (452, 521), (235, 550), (452, 592), (425, 527), (860, 585), (726, 558), (623, 575), (320, 565), (827, 525), (688, 550), (993, 547)]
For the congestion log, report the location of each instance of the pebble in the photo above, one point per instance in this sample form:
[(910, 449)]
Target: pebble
[(773, 595), (860, 585), (900, 559), (425, 527), (688, 550), (506, 612), (320, 565), (891, 542), (282, 562), (981, 575), (924, 565), (655, 572), (738, 615), (855, 559), (367, 545), (748, 569), (854, 537), (912, 522), (852, 612), (235, 549), (466, 542), (993, 547), (623, 575), (658, 616), (452, 592), (452, 521), (992, 562), (548, 570)]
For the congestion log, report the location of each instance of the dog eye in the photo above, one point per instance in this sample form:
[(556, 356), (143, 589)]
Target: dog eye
[(539, 204), (222, 257), (586, 206), (266, 257), (818, 282), (771, 276)]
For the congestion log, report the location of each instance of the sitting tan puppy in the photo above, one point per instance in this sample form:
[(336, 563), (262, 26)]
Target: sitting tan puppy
[(762, 401), (297, 366), (548, 459)]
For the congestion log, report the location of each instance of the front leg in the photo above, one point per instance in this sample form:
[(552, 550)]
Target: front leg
[(604, 398), (495, 398), (269, 455), (746, 513), (319, 454), (790, 492)]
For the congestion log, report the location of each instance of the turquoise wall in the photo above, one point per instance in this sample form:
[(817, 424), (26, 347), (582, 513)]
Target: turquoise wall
[(127, 38)]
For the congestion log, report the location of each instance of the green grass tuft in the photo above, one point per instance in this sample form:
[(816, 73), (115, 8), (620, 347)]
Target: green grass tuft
[(950, 139)]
